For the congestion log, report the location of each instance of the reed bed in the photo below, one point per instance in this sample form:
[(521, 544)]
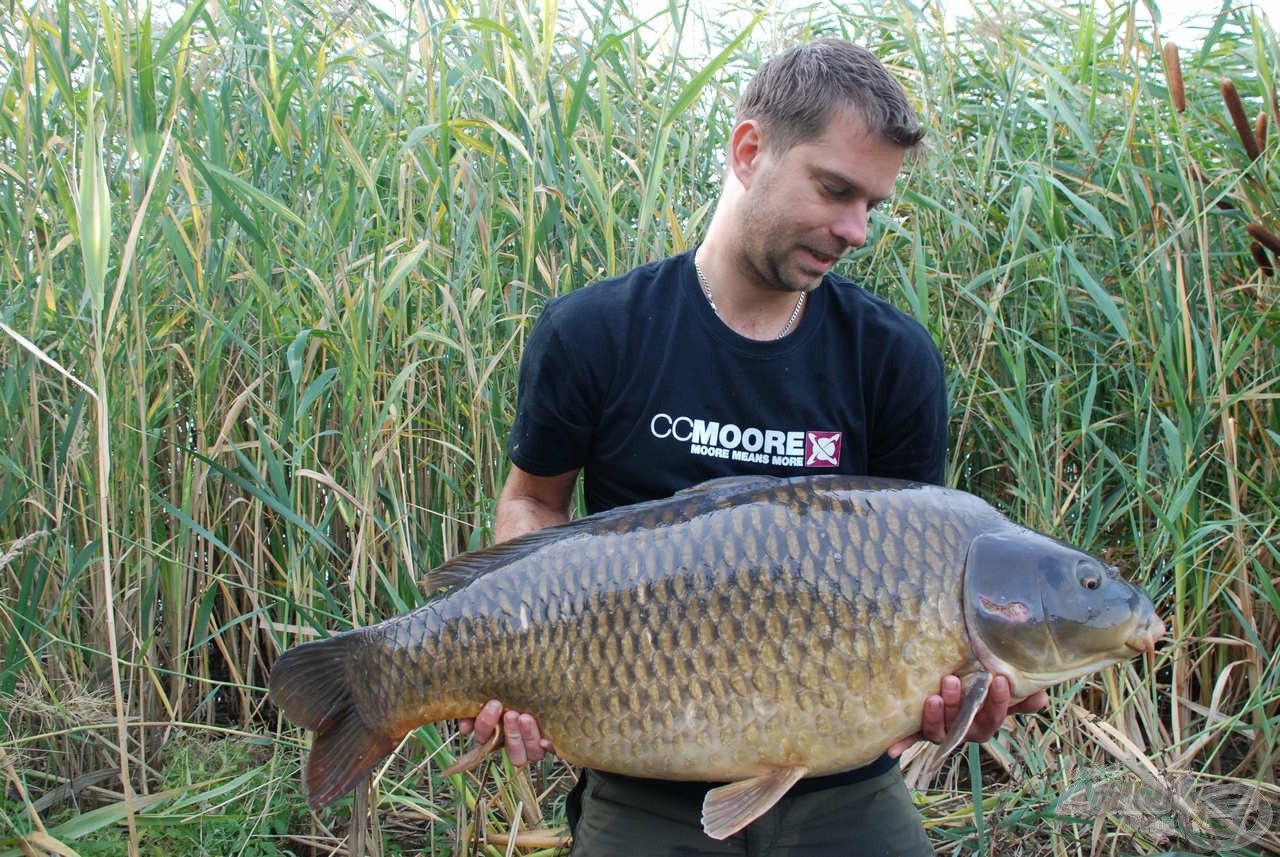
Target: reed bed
[(266, 270)]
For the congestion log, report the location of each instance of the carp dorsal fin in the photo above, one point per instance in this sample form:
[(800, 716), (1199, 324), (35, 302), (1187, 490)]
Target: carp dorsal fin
[(728, 809), (725, 482), (974, 697), (466, 567)]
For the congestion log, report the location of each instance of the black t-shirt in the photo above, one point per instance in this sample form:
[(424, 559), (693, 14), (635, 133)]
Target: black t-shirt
[(636, 381)]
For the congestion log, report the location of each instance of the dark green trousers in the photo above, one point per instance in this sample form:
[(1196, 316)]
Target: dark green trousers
[(625, 817)]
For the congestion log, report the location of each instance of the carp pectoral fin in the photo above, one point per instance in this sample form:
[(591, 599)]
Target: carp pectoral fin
[(476, 754), (728, 809), (969, 708)]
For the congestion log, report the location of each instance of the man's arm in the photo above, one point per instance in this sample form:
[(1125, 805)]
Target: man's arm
[(527, 503)]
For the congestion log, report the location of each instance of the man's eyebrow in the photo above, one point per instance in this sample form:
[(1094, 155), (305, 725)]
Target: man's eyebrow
[(852, 184), (826, 173)]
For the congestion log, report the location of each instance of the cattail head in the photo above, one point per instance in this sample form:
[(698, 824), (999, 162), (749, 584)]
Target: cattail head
[(1265, 237), (1173, 73), (1236, 108), (1261, 258)]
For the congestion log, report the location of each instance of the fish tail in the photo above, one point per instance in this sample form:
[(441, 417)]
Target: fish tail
[(311, 685)]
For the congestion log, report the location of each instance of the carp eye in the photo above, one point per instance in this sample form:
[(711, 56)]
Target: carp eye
[(1089, 577)]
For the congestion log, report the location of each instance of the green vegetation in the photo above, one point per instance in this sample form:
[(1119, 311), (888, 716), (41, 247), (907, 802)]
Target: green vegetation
[(266, 270)]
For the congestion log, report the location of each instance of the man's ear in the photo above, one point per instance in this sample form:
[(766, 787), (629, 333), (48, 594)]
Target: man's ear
[(746, 149)]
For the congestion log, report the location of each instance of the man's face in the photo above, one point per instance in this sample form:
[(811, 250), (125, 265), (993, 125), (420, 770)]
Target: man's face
[(803, 208)]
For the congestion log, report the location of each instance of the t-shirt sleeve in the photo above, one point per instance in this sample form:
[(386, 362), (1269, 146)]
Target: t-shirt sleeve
[(910, 432), (556, 413)]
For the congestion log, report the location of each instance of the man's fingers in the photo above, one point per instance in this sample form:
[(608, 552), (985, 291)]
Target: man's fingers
[(525, 743), (532, 738), (933, 719), (522, 736), (993, 712), (941, 709), (516, 751), (952, 692), (485, 722), (900, 747)]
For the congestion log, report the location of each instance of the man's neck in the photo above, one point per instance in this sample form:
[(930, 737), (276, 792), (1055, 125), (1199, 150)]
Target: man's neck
[(743, 304)]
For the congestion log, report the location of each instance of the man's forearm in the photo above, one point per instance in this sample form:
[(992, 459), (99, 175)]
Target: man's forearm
[(520, 515), (529, 502)]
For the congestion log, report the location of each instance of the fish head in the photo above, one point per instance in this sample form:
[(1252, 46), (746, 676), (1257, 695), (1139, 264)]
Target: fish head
[(1042, 612)]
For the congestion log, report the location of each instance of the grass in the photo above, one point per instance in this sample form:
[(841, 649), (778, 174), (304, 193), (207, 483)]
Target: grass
[(266, 272)]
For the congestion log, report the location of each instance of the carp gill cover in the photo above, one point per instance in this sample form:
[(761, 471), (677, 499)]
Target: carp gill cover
[(750, 630)]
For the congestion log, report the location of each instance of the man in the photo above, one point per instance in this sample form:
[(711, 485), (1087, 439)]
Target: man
[(745, 356)]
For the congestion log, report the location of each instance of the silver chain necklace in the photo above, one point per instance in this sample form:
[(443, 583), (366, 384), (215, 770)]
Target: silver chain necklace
[(706, 290)]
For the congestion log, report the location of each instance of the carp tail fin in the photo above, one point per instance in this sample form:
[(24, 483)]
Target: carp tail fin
[(310, 684), (343, 756)]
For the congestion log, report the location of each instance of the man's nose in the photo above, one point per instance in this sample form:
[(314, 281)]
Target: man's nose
[(851, 227)]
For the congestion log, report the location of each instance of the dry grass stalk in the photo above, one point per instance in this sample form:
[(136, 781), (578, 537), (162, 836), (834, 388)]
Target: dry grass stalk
[(530, 839), (1173, 73), (1243, 129), (17, 546), (56, 704)]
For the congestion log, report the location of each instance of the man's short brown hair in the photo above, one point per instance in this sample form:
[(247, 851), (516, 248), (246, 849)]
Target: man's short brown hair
[(794, 94)]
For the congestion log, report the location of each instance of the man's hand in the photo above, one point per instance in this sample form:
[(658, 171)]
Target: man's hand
[(523, 738), (940, 712)]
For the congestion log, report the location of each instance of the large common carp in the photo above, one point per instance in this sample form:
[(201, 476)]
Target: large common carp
[(751, 630)]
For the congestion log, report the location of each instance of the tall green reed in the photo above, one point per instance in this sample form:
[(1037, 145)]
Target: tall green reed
[(331, 228)]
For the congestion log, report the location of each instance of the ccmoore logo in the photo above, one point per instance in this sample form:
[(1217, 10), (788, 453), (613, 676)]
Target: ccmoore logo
[(777, 447), (822, 449)]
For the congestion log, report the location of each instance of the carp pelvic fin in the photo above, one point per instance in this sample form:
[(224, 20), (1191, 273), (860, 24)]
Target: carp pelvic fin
[(728, 809), (970, 705), (476, 754), (309, 684)]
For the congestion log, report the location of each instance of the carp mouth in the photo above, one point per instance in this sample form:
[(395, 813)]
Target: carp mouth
[(1143, 641), (1140, 641)]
